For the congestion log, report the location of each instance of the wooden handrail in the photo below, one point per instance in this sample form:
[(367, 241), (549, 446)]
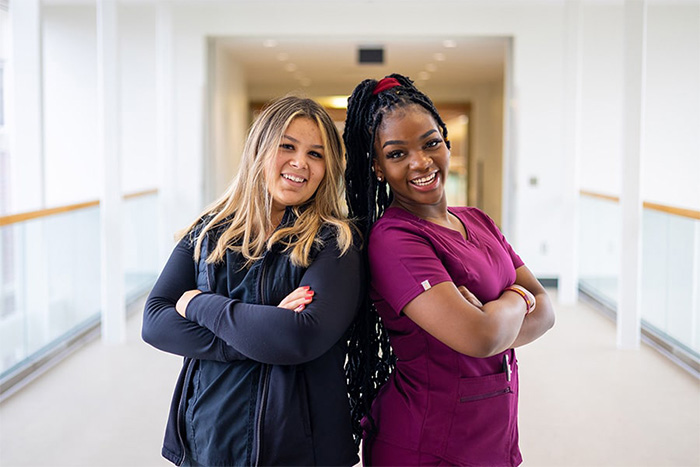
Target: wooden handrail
[(690, 213), (682, 212), (29, 215), (138, 194), (26, 216), (592, 194)]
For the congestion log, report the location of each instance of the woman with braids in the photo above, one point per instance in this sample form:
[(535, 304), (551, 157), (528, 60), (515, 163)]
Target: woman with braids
[(451, 292), (258, 296)]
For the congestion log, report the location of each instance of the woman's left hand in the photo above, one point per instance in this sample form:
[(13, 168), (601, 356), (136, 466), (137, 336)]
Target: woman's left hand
[(470, 297), (298, 299), (184, 300)]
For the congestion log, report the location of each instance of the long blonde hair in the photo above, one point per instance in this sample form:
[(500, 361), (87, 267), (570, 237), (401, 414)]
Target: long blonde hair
[(244, 210)]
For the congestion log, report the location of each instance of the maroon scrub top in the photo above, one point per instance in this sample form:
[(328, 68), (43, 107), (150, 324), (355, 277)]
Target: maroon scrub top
[(438, 401)]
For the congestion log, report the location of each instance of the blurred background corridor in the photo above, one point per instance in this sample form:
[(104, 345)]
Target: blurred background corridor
[(575, 125)]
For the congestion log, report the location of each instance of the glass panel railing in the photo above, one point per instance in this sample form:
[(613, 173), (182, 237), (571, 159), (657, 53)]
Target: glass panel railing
[(599, 248), (140, 246), (670, 277), (50, 275), (50, 282)]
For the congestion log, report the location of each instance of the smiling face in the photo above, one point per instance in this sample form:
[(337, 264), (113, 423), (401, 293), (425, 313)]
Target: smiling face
[(297, 169), (411, 155)]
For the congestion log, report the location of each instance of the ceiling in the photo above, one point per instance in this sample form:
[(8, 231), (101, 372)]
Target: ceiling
[(439, 66)]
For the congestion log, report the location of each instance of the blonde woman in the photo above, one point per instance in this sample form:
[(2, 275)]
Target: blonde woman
[(258, 296)]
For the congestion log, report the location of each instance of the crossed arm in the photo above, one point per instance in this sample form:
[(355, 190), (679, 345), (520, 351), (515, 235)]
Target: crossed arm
[(265, 333), (481, 331), (165, 329), (542, 318), (276, 335)]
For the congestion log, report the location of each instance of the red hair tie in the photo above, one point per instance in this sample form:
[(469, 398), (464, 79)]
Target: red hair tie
[(384, 84)]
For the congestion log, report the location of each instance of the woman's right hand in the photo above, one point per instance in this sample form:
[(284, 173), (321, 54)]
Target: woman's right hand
[(181, 305), (298, 299)]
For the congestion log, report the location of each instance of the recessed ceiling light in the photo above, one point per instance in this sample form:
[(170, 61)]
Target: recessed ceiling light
[(423, 75), (431, 67), (449, 44), (290, 67), (269, 43), (282, 56), (440, 57)]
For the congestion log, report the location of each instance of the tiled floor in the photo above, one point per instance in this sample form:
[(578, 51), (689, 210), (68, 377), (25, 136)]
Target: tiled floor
[(583, 403)]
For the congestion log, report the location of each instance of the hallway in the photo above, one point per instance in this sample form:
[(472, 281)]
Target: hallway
[(583, 403)]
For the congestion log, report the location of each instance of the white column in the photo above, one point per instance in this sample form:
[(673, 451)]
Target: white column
[(568, 275), (25, 107), (26, 145), (165, 121), (629, 307), (113, 301)]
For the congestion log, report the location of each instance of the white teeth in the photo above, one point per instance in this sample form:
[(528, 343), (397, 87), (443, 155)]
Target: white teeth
[(425, 180), (294, 178)]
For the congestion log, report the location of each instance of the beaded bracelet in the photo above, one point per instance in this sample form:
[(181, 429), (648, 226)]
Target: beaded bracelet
[(526, 296)]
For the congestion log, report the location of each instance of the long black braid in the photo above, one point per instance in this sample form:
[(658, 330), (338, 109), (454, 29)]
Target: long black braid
[(370, 358)]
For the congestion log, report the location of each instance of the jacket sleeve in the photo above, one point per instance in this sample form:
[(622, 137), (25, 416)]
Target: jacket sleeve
[(279, 336), (165, 329)]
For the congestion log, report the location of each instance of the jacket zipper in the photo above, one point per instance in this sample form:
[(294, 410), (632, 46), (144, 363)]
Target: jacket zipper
[(261, 414), (183, 396), (265, 378), (209, 287), (190, 364), (206, 266), (486, 396)]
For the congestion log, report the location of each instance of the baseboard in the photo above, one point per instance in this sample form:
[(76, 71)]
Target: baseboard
[(549, 282)]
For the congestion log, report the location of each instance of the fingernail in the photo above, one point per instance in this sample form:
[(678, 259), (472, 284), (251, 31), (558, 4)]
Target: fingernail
[(306, 287), (309, 294), (299, 308)]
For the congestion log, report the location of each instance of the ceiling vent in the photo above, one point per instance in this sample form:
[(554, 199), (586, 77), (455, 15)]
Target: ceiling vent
[(371, 56)]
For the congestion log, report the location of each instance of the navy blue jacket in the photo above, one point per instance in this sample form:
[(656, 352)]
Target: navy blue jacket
[(260, 385)]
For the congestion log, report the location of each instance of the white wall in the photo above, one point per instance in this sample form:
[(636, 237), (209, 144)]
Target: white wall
[(238, 119), (21, 136), (189, 81), (602, 86), (671, 135), (138, 145), (671, 164), (228, 101), (70, 101), (70, 104)]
